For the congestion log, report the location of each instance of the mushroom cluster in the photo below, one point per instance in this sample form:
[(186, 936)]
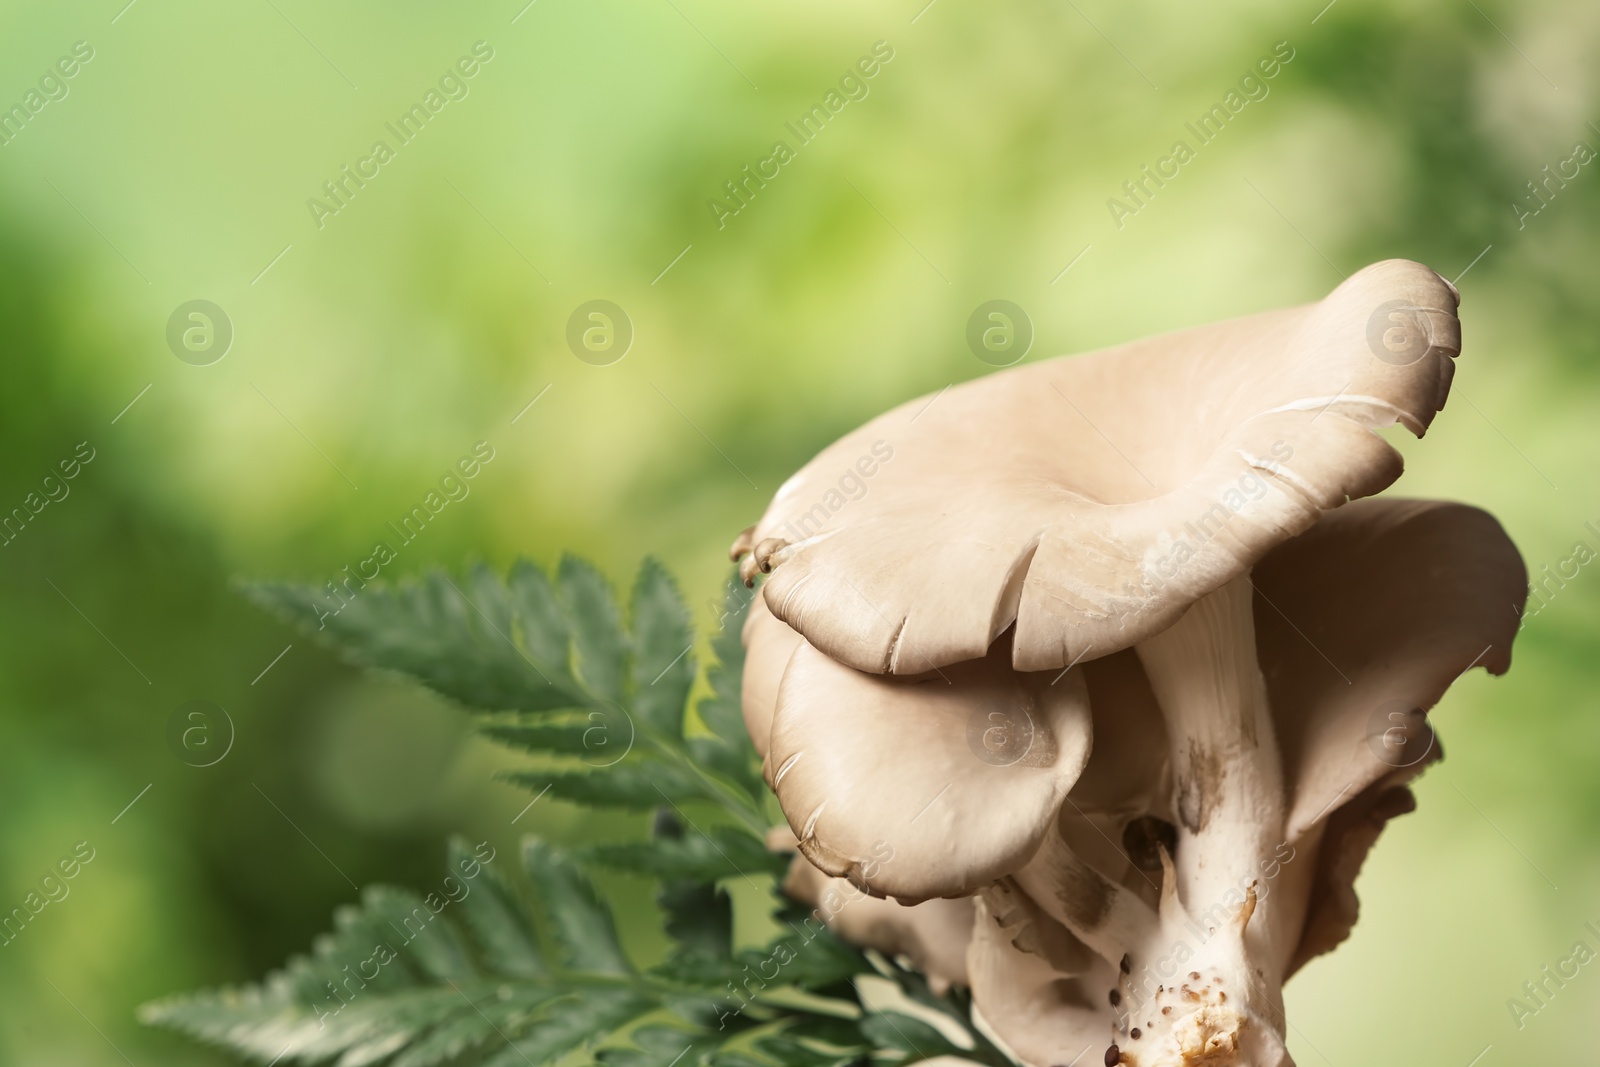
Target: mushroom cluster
[(1099, 695)]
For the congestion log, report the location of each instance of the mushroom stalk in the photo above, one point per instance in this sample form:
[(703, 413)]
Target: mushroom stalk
[(1214, 996), (1227, 777)]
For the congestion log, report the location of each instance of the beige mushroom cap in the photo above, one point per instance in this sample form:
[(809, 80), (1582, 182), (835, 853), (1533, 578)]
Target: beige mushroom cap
[(1042, 1016), (924, 787), (1363, 623), (1090, 500)]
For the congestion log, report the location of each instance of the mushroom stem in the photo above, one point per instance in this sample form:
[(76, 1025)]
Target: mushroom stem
[(1228, 795), (1227, 778)]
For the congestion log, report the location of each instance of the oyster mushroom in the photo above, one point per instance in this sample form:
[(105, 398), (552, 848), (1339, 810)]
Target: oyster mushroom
[(1146, 550)]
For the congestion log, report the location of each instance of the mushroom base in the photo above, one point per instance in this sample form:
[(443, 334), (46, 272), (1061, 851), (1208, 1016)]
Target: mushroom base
[(1218, 1011)]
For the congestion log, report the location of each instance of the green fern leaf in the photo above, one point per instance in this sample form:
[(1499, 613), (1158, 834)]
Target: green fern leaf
[(431, 631), (698, 913), (727, 751), (663, 669), (568, 735), (495, 916), (916, 1039), (572, 1023), (579, 920), (660, 1046), (716, 854), (430, 979), (519, 967), (556, 673), (541, 624), (636, 784), (721, 711), (597, 637), (699, 919), (797, 1050)]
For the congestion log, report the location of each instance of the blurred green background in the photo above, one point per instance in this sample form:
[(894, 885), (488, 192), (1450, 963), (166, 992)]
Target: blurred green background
[(372, 352)]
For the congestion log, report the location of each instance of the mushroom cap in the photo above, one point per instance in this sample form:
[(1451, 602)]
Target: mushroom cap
[(1042, 1014), (919, 787), (1362, 623), (1089, 501)]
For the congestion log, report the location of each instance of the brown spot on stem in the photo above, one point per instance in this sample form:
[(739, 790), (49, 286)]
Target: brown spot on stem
[(1199, 786), (1084, 894)]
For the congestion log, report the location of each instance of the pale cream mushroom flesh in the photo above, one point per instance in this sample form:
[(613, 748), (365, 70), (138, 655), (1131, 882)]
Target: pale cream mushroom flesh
[(1103, 646)]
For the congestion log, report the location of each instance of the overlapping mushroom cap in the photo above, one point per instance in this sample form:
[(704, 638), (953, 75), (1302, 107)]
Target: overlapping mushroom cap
[(1145, 553), (1088, 501)]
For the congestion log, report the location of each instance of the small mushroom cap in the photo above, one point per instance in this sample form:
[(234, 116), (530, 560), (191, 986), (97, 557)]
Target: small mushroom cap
[(1348, 836), (1090, 500), (924, 787), (1042, 1016), (1362, 623)]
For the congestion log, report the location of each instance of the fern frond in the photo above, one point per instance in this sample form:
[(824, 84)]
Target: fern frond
[(519, 964)]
